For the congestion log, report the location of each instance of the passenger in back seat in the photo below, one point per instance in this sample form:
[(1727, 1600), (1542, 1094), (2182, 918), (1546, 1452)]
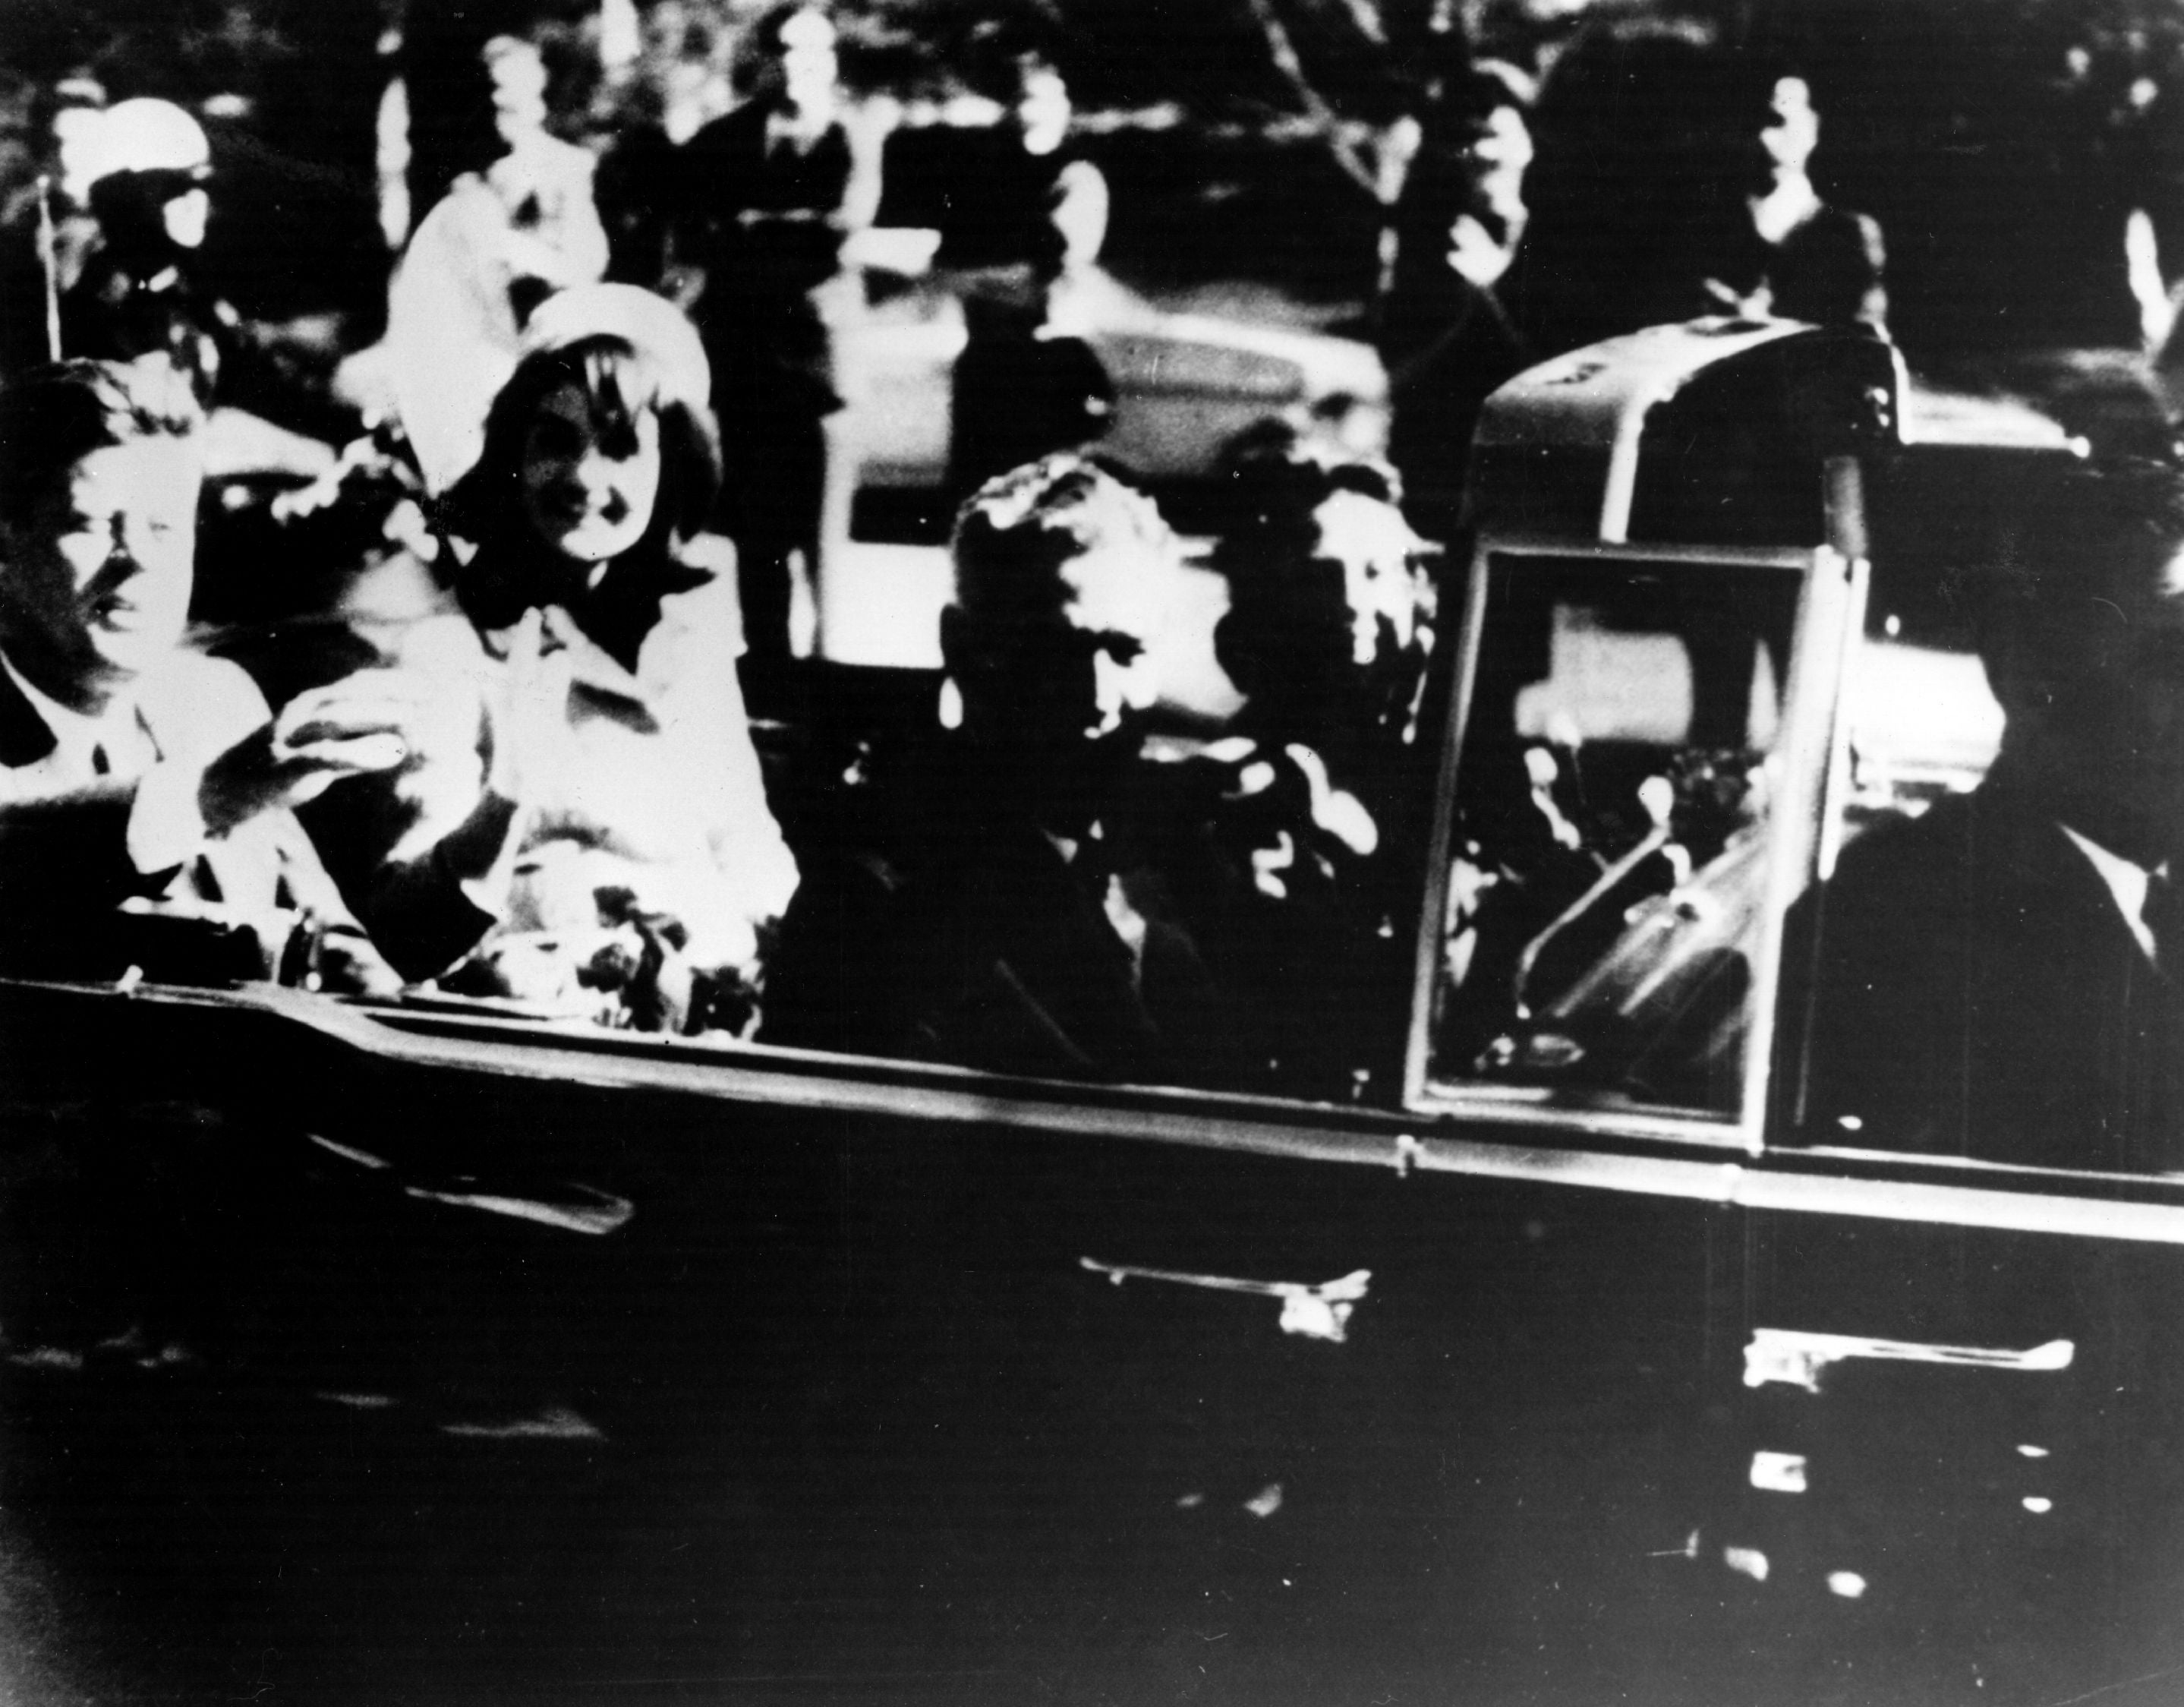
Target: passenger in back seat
[(136, 772), (576, 813), (1295, 845)]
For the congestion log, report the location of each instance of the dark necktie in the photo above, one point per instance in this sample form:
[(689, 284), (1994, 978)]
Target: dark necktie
[(2163, 915)]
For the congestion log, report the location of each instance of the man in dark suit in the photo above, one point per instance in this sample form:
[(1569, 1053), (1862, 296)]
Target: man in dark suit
[(766, 195), (1447, 335), (1004, 926), (2004, 977), (132, 768)]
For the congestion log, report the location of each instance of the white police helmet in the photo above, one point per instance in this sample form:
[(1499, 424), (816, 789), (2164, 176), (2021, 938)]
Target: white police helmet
[(149, 135)]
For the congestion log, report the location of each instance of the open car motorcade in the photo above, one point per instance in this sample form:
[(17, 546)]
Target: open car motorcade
[(463, 1350)]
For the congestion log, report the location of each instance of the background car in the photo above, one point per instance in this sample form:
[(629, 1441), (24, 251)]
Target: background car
[(1189, 388)]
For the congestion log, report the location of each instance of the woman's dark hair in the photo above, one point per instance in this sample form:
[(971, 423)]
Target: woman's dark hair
[(1287, 624), (1275, 490), (485, 507)]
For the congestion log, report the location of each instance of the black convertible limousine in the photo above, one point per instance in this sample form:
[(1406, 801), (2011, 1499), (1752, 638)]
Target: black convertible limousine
[(427, 1351)]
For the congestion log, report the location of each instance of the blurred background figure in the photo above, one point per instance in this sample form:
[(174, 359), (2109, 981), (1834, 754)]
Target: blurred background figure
[(544, 183), (1446, 336), (767, 195), (46, 228), (1624, 184), (516, 223), (1784, 253), (1021, 215), (997, 195), (139, 291), (648, 108), (142, 293)]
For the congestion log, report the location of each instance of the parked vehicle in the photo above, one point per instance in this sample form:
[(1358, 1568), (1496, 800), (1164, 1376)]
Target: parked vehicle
[(1572, 1369), (1189, 388)]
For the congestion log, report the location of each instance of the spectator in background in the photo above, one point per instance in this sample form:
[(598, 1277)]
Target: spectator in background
[(1624, 186), (138, 293), (1009, 931), (447, 94), (1784, 253), (1000, 205), (1446, 336), (1029, 214), (767, 195), (516, 224), (46, 230), (635, 191), (544, 183)]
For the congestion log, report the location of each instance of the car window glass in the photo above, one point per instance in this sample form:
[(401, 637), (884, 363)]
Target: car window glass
[(1615, 796), (1921, 719), (1922, 728)]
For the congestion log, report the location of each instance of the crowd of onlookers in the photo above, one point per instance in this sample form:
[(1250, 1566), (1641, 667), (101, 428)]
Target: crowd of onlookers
[(606, 413)]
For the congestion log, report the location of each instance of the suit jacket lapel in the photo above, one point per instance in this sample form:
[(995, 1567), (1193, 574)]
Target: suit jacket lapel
[(2137, 1042), (24, 737), (2029, 849)]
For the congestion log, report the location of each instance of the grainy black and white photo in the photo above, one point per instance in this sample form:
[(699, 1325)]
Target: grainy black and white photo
[(967, 853)]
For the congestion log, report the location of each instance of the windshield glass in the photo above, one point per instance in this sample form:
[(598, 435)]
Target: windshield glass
[(1608, 859)]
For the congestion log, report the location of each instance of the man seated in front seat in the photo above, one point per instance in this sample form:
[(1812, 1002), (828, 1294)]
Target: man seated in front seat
[(2004, 977), (131, 768), (1005, 931)]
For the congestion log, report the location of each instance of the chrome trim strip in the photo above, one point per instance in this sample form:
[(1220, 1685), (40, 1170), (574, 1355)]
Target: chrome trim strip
[(1806, 1182), (1770, 1188), (1827, 607), (1793, 558), (1433, 906)]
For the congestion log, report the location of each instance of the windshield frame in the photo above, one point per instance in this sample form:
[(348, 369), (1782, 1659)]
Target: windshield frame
[(1813, 768)]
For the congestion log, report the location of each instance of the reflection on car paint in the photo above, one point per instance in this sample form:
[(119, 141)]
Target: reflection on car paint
[(1313, 1313), (1798, 1358), (1779, 1472)]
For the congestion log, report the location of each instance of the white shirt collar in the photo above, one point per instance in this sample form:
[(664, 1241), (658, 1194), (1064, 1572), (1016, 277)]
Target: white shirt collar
[(130, 747), (2127, 880)]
